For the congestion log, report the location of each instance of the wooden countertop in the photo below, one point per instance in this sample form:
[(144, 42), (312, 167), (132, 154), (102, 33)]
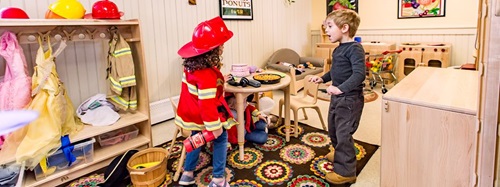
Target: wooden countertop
[(442, 88)]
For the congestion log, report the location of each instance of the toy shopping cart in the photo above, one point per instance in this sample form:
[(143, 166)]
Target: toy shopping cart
[(380, 64)]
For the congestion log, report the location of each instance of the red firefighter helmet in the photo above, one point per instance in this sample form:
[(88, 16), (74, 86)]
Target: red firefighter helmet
[(206, 36), (105, 9), (13, 13)]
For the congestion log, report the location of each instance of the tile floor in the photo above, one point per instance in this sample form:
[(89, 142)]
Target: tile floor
[(368, 131)]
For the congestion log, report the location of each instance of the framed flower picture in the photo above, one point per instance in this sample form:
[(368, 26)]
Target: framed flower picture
[(420, 8), (332, 5)]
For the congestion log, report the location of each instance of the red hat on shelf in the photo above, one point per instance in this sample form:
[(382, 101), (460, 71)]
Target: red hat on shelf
[(13, 13), (206, 36), (104, 9)]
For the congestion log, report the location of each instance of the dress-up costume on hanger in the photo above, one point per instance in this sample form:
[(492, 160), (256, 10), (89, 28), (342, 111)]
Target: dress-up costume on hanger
[(42, 137), (121, 74), (15, 88)]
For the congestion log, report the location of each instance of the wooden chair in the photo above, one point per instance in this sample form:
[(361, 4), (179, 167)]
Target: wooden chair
[(308, 100), (185, 134), (292, 57)]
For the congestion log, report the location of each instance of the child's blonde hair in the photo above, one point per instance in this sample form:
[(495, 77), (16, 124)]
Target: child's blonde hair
[(345, 16)]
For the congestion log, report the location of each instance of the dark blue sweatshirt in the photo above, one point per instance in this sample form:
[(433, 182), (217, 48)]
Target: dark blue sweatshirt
[(348, 68)]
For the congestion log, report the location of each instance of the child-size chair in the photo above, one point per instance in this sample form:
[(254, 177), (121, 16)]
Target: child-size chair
[(308, 100), (293, 60), (185, 134)]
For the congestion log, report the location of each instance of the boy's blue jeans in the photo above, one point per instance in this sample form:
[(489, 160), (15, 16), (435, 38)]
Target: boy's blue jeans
[(218, 158), (258, 135)]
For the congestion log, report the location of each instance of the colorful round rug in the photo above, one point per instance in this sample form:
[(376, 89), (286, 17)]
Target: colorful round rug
[(274, 142), (316, 139), (281, 130), (205, 176), (320, 166), (360, 151), (203, 161), (209, 148), (273, 172), (168, 181), (176, 150), (251, 158), (369, 95), (245, 183), (297, 154), (90, 181), (307, 181)]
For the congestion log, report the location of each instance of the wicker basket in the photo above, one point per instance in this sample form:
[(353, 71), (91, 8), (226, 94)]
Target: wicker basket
[(151, 176)]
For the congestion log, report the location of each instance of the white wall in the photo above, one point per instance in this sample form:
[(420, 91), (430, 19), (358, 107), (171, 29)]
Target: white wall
[(383, 14), (379, 22), (168, 24)]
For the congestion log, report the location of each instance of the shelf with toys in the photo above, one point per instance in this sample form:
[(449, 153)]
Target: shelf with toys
[(79, 30)]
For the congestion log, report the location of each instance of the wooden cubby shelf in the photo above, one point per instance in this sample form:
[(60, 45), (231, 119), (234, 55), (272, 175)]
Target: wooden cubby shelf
[(89, 30)]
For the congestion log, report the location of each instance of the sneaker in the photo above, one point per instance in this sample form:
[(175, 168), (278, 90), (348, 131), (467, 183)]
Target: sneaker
[(186, 180), (212, 184), (335, 178)]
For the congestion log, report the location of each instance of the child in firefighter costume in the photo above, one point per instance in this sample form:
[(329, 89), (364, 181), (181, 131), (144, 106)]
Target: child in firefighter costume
[(201, 105)]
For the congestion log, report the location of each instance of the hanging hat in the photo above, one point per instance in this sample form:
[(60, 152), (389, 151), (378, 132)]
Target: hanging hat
[(13, 119), (206, 36)]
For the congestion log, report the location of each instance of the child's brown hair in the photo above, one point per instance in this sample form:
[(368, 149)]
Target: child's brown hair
[(345, 16), (206, 60)]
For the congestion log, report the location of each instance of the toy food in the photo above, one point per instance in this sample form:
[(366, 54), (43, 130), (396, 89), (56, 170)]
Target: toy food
[(267, 78)]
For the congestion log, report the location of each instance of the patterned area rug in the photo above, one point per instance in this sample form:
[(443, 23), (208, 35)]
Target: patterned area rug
[(300, 162)]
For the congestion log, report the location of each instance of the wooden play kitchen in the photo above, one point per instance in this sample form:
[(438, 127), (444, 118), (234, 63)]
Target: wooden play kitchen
[(325, 50), (76, 32), (419, 54), (429, 129)]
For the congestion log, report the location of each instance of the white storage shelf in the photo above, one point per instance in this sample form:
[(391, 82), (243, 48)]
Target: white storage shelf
[(141, 118)]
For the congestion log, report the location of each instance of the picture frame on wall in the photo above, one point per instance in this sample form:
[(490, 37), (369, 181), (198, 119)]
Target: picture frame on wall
[(236, 9), (421, 8), (332, 5)]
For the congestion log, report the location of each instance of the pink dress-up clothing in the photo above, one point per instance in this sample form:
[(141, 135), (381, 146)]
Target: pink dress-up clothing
[(15, 87)]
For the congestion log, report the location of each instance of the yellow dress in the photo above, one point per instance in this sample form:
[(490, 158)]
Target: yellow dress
[(57, 118)]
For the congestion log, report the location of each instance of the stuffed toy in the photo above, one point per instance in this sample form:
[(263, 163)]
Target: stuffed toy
[(306, 65), (298, 70)]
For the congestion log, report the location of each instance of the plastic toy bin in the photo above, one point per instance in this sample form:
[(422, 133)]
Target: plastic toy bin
[(82, 150), (117, 136)]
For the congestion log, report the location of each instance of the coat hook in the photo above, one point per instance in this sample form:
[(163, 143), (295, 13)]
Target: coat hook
[(91, 33), (44, 36), (69, 35), (19, 34)]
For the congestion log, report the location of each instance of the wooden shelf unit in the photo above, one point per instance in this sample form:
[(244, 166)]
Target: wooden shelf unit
[(430, 129), (89, 30)]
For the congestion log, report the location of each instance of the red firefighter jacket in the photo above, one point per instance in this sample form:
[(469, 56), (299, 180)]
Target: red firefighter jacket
[(251, 116), (201, 101)]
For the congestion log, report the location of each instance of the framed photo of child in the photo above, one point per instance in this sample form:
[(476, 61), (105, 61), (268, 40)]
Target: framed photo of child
[(420, 8), (236, 9), (332, 5)]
